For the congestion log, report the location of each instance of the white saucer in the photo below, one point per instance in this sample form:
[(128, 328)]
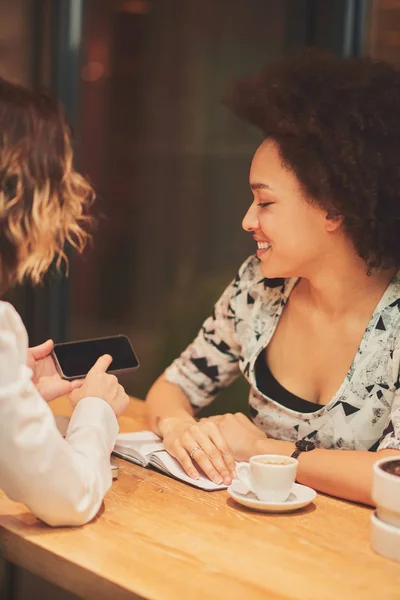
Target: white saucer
[(300, 496)]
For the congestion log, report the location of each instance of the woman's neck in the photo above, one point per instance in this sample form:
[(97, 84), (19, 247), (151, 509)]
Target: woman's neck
[(343, 286)]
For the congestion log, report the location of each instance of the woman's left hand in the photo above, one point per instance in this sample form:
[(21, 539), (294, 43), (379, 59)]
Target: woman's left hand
[(45, 375), (240, 434)]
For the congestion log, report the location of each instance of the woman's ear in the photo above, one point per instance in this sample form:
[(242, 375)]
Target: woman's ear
[(333, 220)]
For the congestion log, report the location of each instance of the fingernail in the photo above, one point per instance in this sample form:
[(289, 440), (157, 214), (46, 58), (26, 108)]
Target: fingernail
[(194, 475), (227, 481), (218, 480)]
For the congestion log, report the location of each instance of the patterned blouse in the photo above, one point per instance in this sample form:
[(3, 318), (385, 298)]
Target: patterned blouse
[(364, 414)]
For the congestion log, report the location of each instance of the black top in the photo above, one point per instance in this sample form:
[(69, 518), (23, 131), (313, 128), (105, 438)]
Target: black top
[(269, 386)]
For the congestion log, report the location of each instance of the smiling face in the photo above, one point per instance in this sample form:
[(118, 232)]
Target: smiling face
[(292, 235)]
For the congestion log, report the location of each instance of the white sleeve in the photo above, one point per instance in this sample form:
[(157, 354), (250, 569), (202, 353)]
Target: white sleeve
[(62, 481)]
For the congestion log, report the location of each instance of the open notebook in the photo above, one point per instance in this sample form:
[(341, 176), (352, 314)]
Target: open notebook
[(146, 448)]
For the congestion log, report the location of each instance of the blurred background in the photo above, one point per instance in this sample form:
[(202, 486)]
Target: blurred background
[(141, 82)]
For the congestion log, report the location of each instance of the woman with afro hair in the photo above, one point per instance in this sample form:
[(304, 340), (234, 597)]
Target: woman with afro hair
[(312, 320)]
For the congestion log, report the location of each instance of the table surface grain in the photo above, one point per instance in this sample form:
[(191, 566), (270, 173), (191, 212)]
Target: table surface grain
[(157, 538)]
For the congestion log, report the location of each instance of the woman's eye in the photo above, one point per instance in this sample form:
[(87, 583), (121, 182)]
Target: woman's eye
[(264, 204)]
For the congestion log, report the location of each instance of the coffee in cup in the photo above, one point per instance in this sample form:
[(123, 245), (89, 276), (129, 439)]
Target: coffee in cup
[(391, 466), (266, 459)]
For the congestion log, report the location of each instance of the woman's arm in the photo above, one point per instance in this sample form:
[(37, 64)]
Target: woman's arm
[(209, 364), (167, 404), (342, 473), (62, 481), (171, 416)]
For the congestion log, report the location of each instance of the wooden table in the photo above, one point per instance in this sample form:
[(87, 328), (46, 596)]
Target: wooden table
[(157, 538)]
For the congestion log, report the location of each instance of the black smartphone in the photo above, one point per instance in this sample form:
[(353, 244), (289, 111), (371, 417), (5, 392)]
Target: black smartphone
[(75, 359)]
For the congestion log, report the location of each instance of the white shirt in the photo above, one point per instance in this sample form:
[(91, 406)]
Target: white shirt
[(62, 481)]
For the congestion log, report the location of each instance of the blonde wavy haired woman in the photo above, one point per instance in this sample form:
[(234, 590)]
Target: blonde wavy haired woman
[(44, 204)]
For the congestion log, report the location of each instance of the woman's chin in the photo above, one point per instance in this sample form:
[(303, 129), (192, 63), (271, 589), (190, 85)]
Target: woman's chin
[(268, 271), (271, 271)]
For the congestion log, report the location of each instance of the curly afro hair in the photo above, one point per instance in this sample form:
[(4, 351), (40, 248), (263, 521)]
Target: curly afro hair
[(336, 122)]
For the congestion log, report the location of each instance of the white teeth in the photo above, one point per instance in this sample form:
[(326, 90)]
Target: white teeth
[(263, 245)]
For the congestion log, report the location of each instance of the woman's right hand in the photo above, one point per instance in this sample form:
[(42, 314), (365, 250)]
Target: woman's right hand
[(102, 385), (198, 442)]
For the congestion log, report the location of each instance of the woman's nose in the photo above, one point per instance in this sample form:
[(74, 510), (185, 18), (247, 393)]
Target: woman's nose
[(250, 219)]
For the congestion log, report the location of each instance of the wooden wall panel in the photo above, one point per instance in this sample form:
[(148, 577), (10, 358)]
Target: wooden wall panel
[(383, 39)]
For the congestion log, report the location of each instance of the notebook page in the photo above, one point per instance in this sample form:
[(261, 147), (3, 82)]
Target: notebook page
[(131, 456), (167, 463), (142, 442)]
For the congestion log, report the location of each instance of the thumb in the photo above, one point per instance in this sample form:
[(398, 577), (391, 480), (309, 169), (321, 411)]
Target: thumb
[(76, 384), (101, 364), (43, 350)]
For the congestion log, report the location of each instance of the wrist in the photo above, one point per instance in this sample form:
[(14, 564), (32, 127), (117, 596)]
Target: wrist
[(166, 424), (271, 446)]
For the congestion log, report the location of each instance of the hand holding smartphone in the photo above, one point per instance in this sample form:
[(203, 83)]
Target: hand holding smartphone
[(100, 384), (74, 360)]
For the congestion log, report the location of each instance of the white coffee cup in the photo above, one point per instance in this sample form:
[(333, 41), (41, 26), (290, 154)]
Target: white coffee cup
[(386, 493), (269, 476)]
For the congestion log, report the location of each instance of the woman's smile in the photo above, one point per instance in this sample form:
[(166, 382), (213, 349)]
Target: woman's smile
[(262, 248)]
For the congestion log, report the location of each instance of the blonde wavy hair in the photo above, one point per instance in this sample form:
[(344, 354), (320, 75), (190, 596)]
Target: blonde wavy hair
[(43, 201)]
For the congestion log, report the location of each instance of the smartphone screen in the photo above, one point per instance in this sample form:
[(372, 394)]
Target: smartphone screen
[(75, 359)]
